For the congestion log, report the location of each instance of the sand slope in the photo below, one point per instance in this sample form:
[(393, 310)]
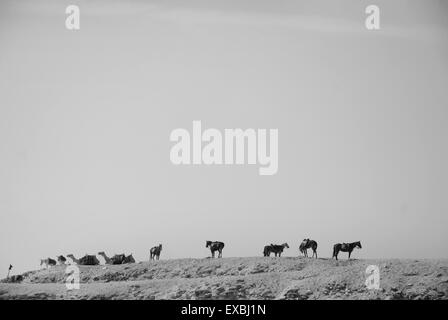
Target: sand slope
[(240, 278)]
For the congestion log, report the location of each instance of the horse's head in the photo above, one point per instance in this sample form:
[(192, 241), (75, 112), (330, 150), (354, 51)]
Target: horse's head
[(42, 261), (285, 245), (358, 244), (160, 246), (208, 244)]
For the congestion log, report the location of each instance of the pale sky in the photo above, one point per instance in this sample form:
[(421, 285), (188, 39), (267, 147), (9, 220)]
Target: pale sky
[(85, 119)]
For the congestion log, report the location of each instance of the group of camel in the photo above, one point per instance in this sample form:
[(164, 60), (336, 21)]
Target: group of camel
[(215, 246), (92, 260)]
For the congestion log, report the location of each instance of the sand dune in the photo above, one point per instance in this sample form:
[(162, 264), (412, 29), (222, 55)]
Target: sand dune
[(239, 278)]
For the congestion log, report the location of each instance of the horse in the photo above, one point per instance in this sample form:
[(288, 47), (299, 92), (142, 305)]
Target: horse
[(155, 252), (307, 244), (345, 247), (275, 248), (215, 246)]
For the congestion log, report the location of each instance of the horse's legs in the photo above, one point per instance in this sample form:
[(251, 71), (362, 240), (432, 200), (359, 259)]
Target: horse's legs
[(349, 254)]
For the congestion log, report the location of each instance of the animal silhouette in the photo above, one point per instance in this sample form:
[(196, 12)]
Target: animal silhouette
[(87, 260), (274, 248), (47, 262), (345, 247), (155, 252), (308, 244), (215, 246)]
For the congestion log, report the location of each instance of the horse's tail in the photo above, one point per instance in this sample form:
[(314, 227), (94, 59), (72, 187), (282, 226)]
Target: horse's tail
[(334, 251), (266, 251)]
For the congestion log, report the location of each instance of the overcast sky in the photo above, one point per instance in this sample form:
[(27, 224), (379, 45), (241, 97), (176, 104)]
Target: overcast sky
[(85, 120)]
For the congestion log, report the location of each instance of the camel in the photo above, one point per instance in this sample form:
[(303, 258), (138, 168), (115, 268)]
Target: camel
[(155, 252), (47, 262), (61, 259), (116, 259), (87, 260), (129, 259)]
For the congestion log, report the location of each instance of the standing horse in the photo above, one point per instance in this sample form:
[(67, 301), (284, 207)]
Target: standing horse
[(275, 248), (345, 247), (307, 244), (155, 252), (215, 246)]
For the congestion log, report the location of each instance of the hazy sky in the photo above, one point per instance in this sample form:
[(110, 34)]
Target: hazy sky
[(85, 119)]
